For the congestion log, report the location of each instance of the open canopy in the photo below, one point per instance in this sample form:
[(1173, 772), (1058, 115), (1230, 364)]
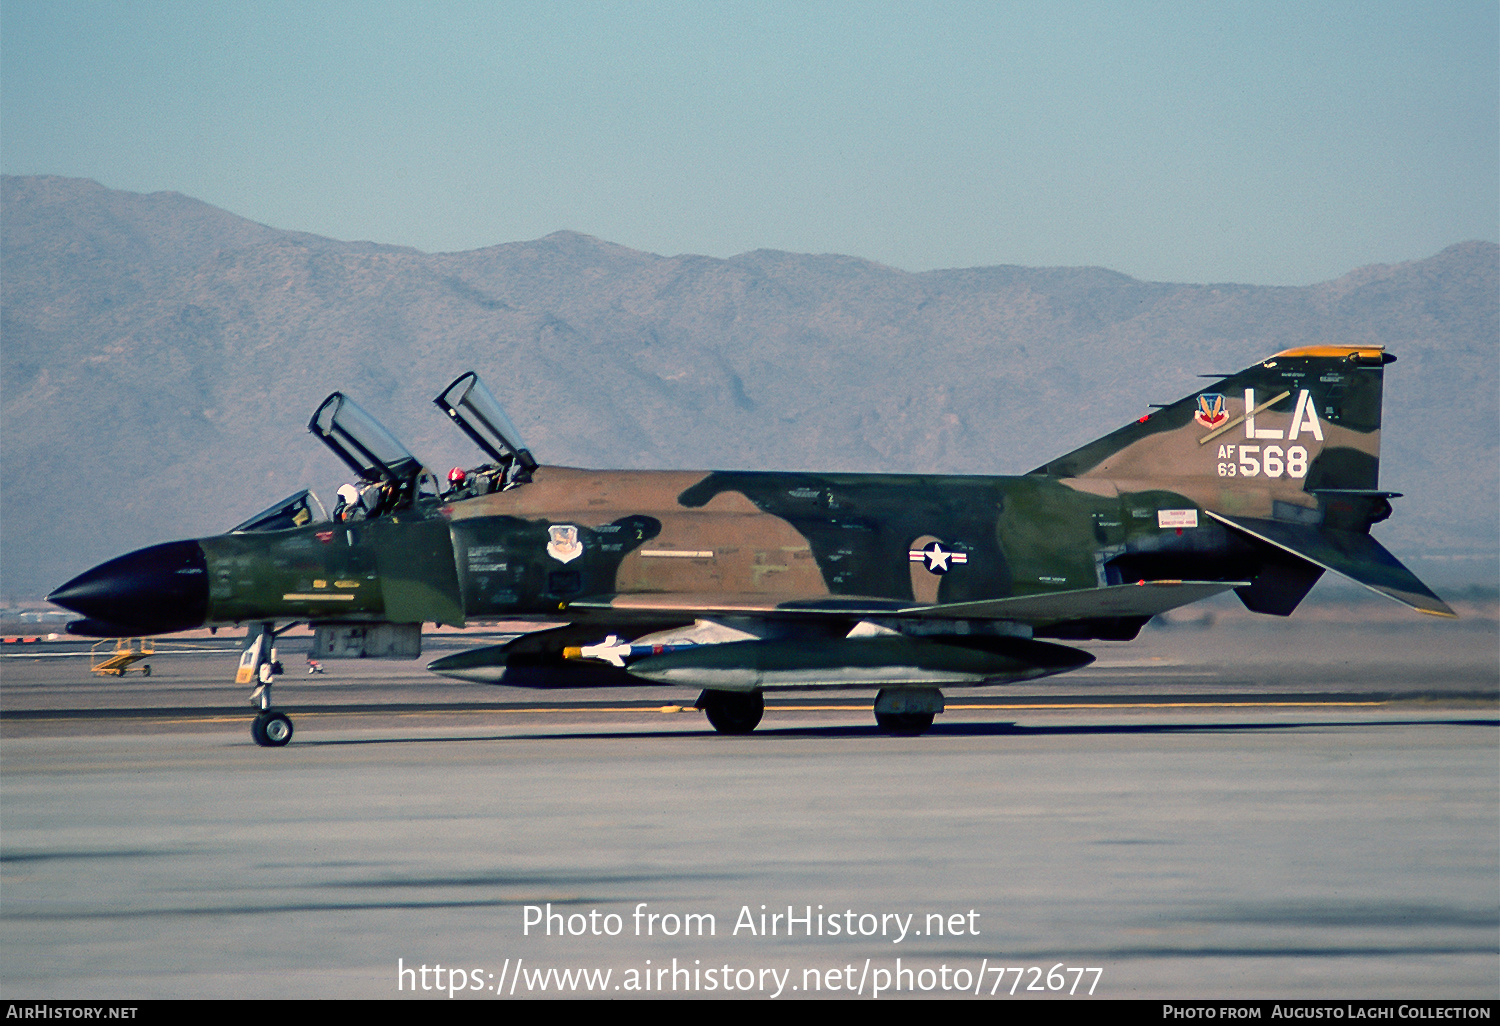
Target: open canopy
[(475, 409), (362, 442)]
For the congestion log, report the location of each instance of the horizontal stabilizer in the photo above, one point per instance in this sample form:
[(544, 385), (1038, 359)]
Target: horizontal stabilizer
[(1145, 599), (1357, 556)]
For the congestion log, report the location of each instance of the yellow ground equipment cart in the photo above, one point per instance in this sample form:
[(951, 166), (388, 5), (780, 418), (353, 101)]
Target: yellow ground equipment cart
[(117, 662)]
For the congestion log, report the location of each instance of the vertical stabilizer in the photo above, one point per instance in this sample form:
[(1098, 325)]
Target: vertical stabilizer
[(1305, 420), (1287, 455)]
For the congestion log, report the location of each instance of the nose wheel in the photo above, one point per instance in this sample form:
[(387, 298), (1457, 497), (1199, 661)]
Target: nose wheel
[(258, 665), (271, 729)]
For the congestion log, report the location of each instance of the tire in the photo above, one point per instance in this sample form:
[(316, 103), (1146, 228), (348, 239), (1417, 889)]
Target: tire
[(271, 730), (146, 670), (733, 712), (904, 724)]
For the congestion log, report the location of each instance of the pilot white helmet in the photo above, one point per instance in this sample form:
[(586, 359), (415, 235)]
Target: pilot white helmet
[(348, 494)]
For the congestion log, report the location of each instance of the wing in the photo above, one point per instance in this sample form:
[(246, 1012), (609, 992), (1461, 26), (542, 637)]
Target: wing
[(807, 643), (1144, 598), (1122, 601)]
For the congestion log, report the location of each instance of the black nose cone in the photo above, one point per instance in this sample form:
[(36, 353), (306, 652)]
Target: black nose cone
[(149, 591)]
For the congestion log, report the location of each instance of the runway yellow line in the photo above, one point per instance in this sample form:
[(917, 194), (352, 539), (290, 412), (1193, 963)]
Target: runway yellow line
[(1171, 705), (668, 709)]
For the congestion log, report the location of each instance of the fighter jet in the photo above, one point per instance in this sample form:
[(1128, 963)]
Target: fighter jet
[(732, 583)]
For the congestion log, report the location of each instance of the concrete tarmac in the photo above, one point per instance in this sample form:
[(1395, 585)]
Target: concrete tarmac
[(1306, 811)]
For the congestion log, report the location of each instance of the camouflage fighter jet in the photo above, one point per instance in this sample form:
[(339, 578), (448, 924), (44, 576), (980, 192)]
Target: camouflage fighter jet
[(731, 583)]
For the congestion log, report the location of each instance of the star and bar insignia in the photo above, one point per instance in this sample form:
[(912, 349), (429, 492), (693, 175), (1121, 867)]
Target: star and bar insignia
[(937, 559)]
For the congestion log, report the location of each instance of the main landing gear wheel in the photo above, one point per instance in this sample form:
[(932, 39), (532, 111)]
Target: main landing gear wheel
[(904, 724), (733, 712), (271, 729)]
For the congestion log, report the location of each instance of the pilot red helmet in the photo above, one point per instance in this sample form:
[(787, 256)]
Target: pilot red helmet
[(456, 475)]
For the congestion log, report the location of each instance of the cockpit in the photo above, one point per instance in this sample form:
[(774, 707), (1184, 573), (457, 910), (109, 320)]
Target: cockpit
[(296, 511), (388, 479), (471, 405)]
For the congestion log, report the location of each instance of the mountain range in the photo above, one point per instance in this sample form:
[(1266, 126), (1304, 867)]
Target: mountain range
[(159, 358)]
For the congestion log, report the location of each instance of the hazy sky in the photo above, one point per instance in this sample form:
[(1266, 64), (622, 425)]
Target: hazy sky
[(1268, 143)]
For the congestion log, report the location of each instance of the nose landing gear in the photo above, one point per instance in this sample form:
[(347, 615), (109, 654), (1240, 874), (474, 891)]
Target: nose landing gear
[(269, 729)]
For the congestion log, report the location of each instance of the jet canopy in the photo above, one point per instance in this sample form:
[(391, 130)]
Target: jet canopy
[(475, 409), (362, 442), (295, 511), (391, 478)]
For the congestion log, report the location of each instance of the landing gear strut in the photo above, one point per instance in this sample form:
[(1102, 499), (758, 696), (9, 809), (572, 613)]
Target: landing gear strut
[(733, 712), (270, 729)]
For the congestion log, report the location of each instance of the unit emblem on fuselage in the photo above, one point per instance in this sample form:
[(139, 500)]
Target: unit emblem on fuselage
[(563, 544)]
